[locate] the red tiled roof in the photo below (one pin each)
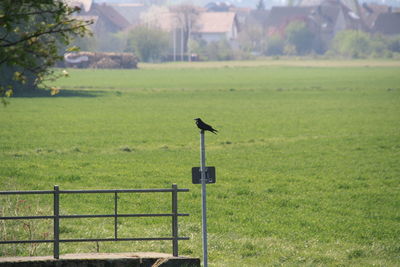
(215, 22)
(281, 15)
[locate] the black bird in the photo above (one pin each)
(204, 126)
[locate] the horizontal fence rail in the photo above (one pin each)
(57, 216)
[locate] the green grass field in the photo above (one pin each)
(307, 159)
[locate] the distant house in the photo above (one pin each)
(280, 16)
(257, 17)
(242, 14)
(216, 26)
(208, 26)
(325, 21)
(349, 13)
(387, 23)
(107, 19)
(325, 18)
(131, 11)
(370, 13)
(329, 14)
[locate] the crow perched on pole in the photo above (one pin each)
(204, 126)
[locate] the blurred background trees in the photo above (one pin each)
(358, 44)
(300, 37)
(148, 43)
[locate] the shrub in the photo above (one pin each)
(220, 50)
(275, 46)
(353, 44)
(299, 36)
(289, 50)
(150, 44)
(252, 38)
(357, 44)
(393, 44)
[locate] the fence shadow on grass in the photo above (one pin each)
(62, 93)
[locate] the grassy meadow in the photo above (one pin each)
(307, 160)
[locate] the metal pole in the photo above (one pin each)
(175, 220)
(174, 42)
(188, 45)
(115, 215)
(203, 197)
(182, 50)
(56, 223)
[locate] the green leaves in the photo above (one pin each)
(73, 49)
(18, 76)
(4, 94)
(32, 33)
(8, 93)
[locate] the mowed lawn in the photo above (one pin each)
(307, 160)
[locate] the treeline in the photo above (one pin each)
(151, 44)
(298, 40)
(357, 44)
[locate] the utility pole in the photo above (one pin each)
(203, 197)
(188, 43)
(182, 50)
(174, 43)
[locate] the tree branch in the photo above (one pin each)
(51, 31)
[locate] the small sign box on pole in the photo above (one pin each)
(210, 175)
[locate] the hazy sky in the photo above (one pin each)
(249, 3)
